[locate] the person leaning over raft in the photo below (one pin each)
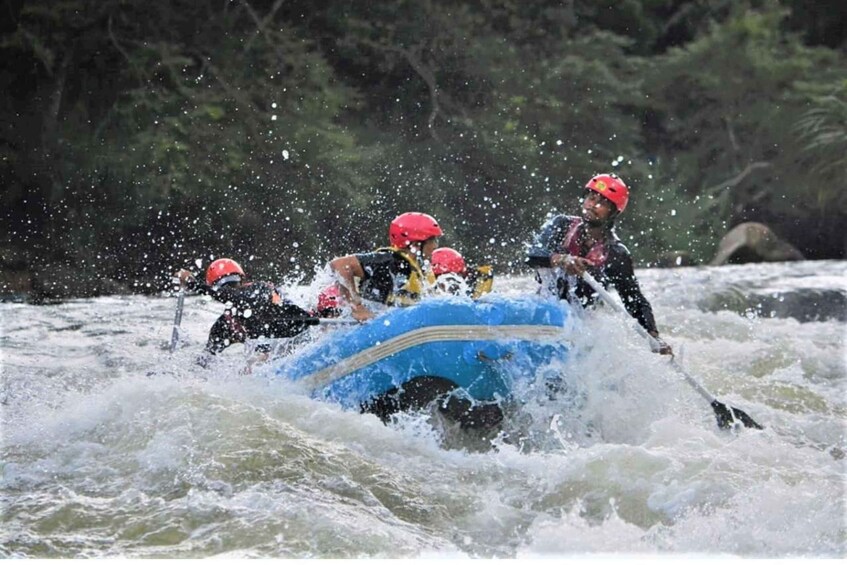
(571, 245)
(253, 309)
(392, 275)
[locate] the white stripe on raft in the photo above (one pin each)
(324, 377)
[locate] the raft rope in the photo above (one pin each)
(536, 333)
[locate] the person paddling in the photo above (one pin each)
(572, 245)
(253, 309)
(393, 275)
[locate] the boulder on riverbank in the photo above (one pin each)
(752, 242)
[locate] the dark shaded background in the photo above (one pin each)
(137, 137)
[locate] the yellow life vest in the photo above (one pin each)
(417, 284)
(481, 280)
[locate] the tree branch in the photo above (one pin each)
(429, 78)
(117, 45)
(54, 103)
(261, 24)
(736, 180)
(424, 72)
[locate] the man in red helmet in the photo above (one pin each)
(253, 309)
(392, 275)
(572, 245)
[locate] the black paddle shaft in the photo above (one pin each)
(292, 321)
(727, 416)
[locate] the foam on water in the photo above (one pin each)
(113, 448)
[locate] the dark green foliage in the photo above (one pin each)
(734, 104)
(138, 137)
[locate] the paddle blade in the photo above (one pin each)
(728, 416)
(180, 303)
(174, 339)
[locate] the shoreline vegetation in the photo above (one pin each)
(138, 138)
(17, 286)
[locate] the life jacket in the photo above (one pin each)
(275, 296)
(597, 255)
(269, 316)
(258, 297)
(415, 286)
(237, 333)
(480, 280)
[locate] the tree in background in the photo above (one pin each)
(167, 128)
(138, 137)
(728, 106)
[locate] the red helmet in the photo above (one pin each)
(221, 268)
(612, 188)
(411, 227)
(447, 260)
(329, 299)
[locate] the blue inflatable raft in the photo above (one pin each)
(472, 351)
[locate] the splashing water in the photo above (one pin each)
(112, 448)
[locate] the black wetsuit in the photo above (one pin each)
(250, 313)
(617, 269)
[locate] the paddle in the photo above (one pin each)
(336, 322)
(727, 416)
(180, 302)
(289, 321)
(294, 320)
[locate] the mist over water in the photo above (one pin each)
(111, 447)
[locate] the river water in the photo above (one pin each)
(111, 447)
